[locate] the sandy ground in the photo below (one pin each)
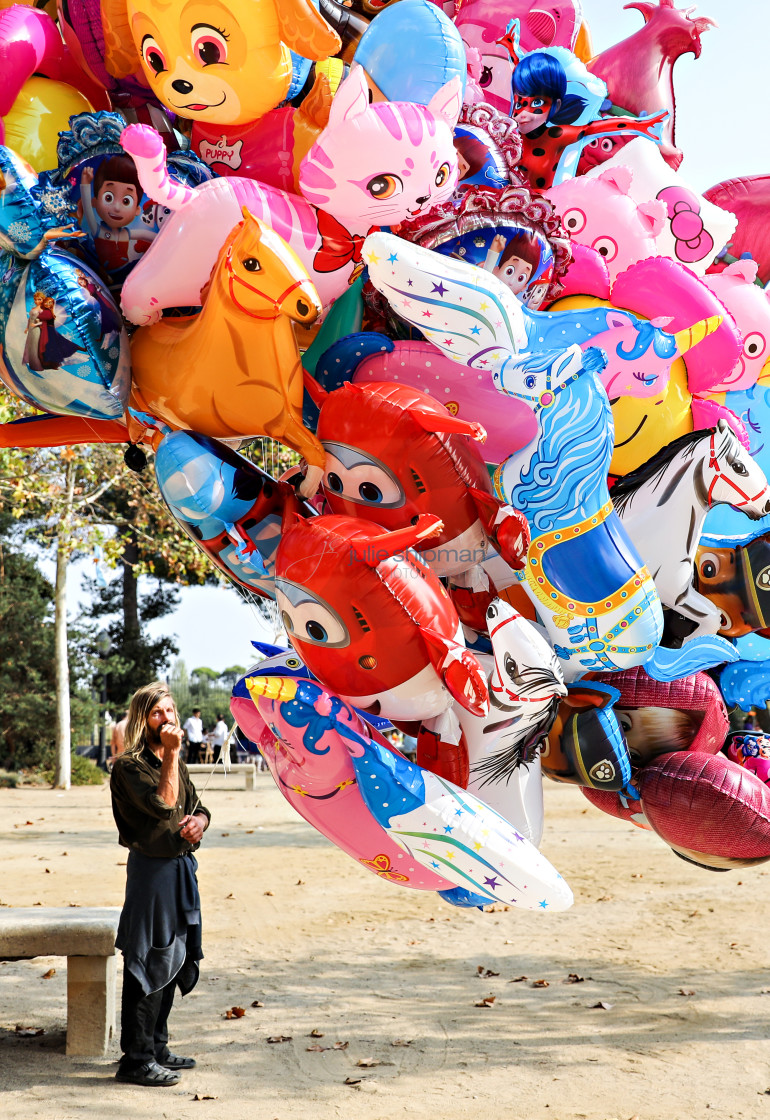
(676, 956)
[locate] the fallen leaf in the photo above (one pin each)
(353, 1080)
(315, 1033)
(300, 883)
(249, 831)
(48, 975)
(402, 1042)
(573, 978)
(48, 870)
(340, 1046)
(602, 1005)
(485, 972)
(367, 1063)
(488, 1001)
(257, 1003)
(686, 992)
(268, 893)
(235, 1013)
(604, 898)
(517, 979)
(224, 834)
(541, 983)
(229, 896)
(734, 944)
(28, 1032)
(280, 1038)
(204, 1097)
(317, 1049)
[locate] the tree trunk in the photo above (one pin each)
(63, 778)
(130, 588)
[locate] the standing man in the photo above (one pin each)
(118, 738)
(218, 736)
(193, 729)
(161, 822)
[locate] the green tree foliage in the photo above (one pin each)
(27, 692)
(134, 658)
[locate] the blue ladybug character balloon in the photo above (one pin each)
(227, 505)
(63, 345)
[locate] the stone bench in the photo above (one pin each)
(247, 768)
(86, 937)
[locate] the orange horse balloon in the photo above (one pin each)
(234, 370)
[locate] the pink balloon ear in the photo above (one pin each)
(662, 321)
(652, 215)
(351, 99)
(619, 177)
(448, 102)
(744, 270)
(617, 319)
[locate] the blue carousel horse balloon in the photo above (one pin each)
(594, 595)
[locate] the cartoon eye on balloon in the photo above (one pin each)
(385, 186)
(308, 618)
(574, 220)
(360, 478)
(442, 174)
(606, 247)
(153, 55)
(754, 345)
(209, 46)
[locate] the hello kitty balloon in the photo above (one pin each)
(373, 165)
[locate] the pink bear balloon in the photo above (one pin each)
(600, 213)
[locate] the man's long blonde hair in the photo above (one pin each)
(142, 703)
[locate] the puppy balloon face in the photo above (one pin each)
(211, 61)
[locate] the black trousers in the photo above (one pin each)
(144, 1022)
(194, 752)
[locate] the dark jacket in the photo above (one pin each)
(146, 824)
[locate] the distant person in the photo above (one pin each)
(193, 730)
(118, 738)
(161, 822)
(218, 736)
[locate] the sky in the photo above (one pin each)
(719, 127)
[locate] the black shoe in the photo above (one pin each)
(150, 1073)
(176, 1061)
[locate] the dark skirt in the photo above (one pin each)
(159, 932)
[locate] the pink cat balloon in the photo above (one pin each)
(750, 306)
(373, 165)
